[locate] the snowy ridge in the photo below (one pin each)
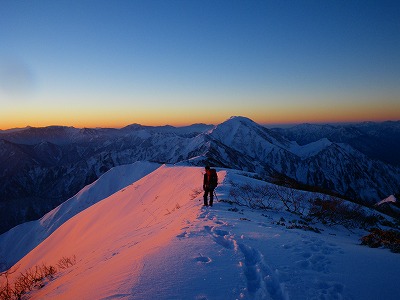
(21, 239)
(118, 232)
(154, 240)
(310, 149)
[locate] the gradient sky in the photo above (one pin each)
(113, 63)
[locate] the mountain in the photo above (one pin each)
(379, 141)
(42, 167)
(153, 240)
(31, 135)
(332, 166)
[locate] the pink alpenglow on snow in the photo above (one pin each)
(17, 242)
(390, 199)
(153, 239)
(112, 238)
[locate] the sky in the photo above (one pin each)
(113, 63)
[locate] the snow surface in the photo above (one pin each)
(390, 199)
(154, 240)
(18, 241)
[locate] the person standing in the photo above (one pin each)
(210, 182)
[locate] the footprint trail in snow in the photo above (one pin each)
(261, 281)
(267, 278)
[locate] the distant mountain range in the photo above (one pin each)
(42, 167)
(380, 141)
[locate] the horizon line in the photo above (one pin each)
(265, 124)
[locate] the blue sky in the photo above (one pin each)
(112, 63)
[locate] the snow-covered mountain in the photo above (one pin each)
(42, 167)
(333, 166)
(152, 239)
(379, 141)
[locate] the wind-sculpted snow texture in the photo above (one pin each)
(154, 240)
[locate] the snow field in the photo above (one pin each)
(153, 239)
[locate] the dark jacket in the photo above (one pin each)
(210, 183)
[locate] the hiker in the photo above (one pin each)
(210, 182)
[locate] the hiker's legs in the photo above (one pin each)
(211, 197)
(205, 197)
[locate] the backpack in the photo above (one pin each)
(213, 178)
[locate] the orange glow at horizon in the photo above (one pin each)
(117, 118)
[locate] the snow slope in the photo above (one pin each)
(18, 241)
(154, 240)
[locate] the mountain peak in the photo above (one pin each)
(240, 119)
(231, 126)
